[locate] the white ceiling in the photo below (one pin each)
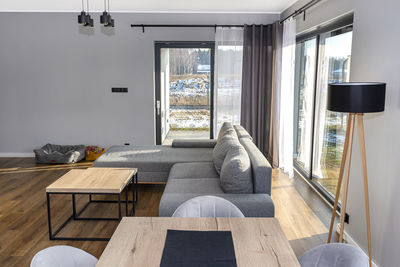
(243, 6)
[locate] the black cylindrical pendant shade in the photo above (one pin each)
(356, 97)
(82, 18)
(105, 18)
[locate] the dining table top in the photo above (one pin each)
(139, 241)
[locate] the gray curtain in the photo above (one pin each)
(257, 83)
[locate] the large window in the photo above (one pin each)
(319, 135)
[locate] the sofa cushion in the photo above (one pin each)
(236, 172)
(193, 170)
(227, 129)
(201, 186)
(251, 205)
(221, 148)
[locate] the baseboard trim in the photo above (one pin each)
(17, 155)
(315, 190)
(349, 240)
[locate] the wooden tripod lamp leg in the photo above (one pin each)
(346, 180)
(364, 167)
(340, 178)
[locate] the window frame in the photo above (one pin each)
(339, 26)
(158, 45)
(295, 163)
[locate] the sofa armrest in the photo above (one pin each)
(194, 143)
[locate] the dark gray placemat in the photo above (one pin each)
(198, 248)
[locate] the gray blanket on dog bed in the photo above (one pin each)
(59, 154)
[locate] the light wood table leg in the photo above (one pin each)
(364, 167)
(340, 178)
(346, 181)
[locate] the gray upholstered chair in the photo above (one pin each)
(207, 206)
(334, 255)
(63, 256)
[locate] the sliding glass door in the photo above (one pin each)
(184, 90)
(330, 127)
(319, 134)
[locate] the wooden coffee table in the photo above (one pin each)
(92, 181)
(139, 241)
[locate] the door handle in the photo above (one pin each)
(158, 107)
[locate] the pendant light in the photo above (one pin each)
(84, 18)
(106, 19)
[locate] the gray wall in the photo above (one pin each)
(56, 76)
(375, 57)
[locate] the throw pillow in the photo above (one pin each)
(236, 176)
(221, 148)
(226, 128)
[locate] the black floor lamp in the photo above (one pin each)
(355, 99)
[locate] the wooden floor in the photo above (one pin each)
(303, 216)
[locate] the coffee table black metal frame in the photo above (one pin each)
(133, 182)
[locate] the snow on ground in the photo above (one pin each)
(189, 118)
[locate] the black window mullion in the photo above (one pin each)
(314, 105)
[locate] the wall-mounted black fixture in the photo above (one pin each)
(106, 17)
(119, 90)
(84, 18)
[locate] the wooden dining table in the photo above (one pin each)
(139, 241)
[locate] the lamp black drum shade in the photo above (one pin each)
(362, 97)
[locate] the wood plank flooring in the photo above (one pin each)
(303, 216)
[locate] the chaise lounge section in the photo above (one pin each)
(153, 162)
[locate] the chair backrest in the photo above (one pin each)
(63, 256)
(207, 206)
(334, 255)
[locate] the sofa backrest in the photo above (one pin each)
(261, 169)
(241, 132)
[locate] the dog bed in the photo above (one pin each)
(51, 153)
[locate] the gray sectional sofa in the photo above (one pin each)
(190, 169)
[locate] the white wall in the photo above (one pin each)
(375, 57)
(56, 76)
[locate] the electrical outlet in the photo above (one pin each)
(119, 90)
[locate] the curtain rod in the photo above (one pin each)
(143, 26)
(301, 10)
